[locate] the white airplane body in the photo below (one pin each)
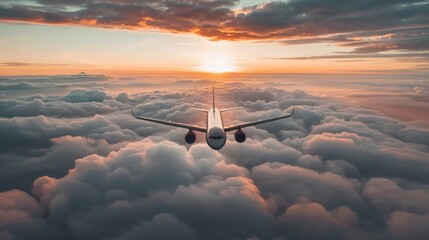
(216, 135)
(215, 130)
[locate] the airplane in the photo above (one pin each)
(215, 130)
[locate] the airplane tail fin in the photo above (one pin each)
(214, 97)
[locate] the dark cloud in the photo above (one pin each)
(24, 64)
(76, 160)
(77, 78)
(396, 44)
(408, 225)
(388, 197)
(402, 39)
(327, 20)
(392, 56)
(324, 225)
(20, 216)
(17, 86)
(154, 229)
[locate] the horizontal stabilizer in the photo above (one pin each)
(230, 109)
(199, 110)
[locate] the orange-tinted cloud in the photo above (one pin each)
(221, 20)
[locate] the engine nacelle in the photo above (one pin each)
(190, 137)
(240, 136)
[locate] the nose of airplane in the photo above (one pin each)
(216, 138)
(216, 146)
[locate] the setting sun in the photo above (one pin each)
(217, 63)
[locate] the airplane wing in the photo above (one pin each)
(175, 124)
(248, 124)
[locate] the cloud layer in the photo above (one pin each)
(369, 26)
(74, 161)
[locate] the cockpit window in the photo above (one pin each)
(216, 137)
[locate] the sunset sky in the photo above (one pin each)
(123, 37)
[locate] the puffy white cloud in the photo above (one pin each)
(388, 197)
(371, 156)
(133, 188)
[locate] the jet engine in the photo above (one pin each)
(240, 136)
(190, 137)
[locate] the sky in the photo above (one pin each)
(351, 163)
(305, 36)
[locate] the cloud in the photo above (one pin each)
(156, 229)
(397, 160)
(289, 183)
(324, 225)
(380, 40)
(405, 56)
(78, 78)
(20, 216)
(166, 184)
(37, 107)
(75, 160)
(223, 20)
(21, 169)
(388, 197)
(408, 225)
(253, 153)
(24, 64)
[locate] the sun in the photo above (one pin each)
(217, 63)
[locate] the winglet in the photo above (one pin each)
(132, 111)
(293, 110)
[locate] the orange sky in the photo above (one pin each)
(222, 36)
(43, 49)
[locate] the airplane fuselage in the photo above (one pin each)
(215, 136)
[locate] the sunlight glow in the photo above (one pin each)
(217, 63)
